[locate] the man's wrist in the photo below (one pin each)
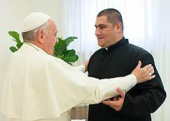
(134, 78)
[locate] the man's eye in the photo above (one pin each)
(102, 27)
(55, 35)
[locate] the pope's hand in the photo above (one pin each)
(143, 73)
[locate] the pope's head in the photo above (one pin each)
(39, 29)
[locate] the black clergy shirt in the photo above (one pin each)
(119, 60)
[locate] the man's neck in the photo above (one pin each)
(36, 44)
(115, 41)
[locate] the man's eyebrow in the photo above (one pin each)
(56, 32)
(101, 25)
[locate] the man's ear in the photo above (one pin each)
(119, 27)
(40, 36)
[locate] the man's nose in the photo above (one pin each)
(97, 32)
(56, 40)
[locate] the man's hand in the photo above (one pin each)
(86, 64)
(143, 74)
(117, 101)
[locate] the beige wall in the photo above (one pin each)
(12, 12)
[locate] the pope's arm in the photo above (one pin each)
(107, 88)
(81, 68)
(69, 87)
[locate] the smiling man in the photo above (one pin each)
(117, 57)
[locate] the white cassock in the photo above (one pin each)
(40, 87)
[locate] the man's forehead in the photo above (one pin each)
(102, 20)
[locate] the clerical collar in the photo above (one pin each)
(106, 48)
(121, 42)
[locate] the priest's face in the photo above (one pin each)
(105, 32)
(50, 37)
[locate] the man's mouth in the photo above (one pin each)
(100, 38)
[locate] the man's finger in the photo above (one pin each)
(139, 64)
(107, 102)
(149, 66)
(151, 71)
(121, 92)
(151, 77)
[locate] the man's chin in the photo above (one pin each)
(99, 44)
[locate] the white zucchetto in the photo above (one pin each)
(34, 20)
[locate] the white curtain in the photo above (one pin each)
(146, 23)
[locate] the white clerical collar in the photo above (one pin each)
(35, 47)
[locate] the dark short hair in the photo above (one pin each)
(113, 16)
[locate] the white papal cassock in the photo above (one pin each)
(40, 87)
